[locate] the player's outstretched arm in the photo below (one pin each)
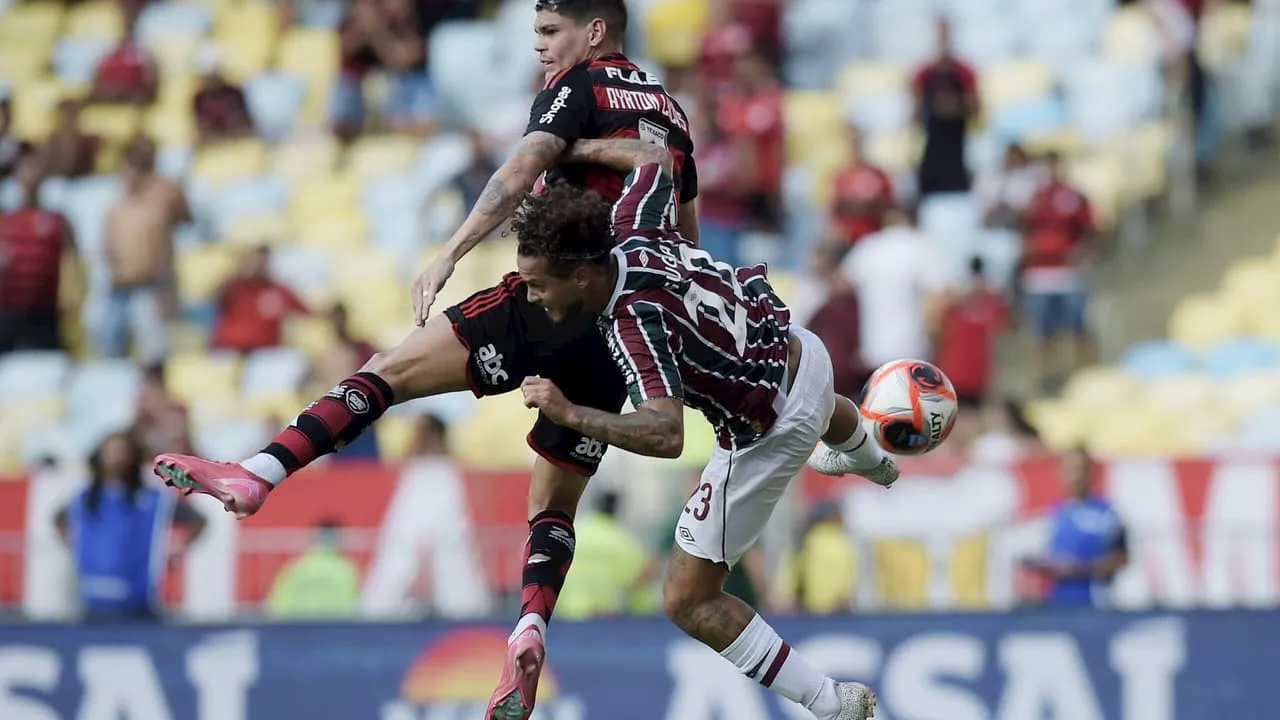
(622, 154)
(656, 428)
(535, 152)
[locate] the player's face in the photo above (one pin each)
(561, 43)
(561, 297)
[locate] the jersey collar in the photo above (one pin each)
(619, 261)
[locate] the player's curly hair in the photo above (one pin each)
(566, 226)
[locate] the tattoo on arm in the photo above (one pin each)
(621, 154)
(536, 152)
(646, 431)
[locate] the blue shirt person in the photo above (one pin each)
(1088, 543)
(118, 532)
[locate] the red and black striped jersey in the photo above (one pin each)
(610, 97)
(682, 325)
(31, 245)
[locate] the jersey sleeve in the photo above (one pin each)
(642, 344)
(646, 201)
(565, 107)
(689, 180)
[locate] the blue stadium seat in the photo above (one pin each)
(165, 19)
(1105, 97)
(275, 100)
(231, 441)
(1158, 358)
(1017, 123)
(952, 221)
(886, 113)
(440, 160)
(904, 31)
(1238, 357)
(262, 194)
(460, 58)
(273, 371)
(75, 59)
(32, 374)
(103, 395)
(983, 40)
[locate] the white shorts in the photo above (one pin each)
(739, 489)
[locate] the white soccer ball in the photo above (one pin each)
(909, 407)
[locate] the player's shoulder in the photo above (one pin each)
(574, 76)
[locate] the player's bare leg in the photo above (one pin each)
(554, 493)
(847, 448)
(694, 599)
(430, 361)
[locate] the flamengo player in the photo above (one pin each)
(492, 341)
(686, 329)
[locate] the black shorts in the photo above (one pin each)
(509, 339)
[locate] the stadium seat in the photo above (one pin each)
(903, 31)
(169, 128)
(1143, 151)
(22, 421)
(35, 105)
(259, 228)
(220, 165)
(1100, 177)
(1203, 320)
(493, 438)
(311, 335)
(231, 441)
(673, 29)
(1242, 357)
(273, 372)
(1015, 82)
(1157, 358)
(250, 196)
(460, 62)
(312, 55)
(815, 131)
(323, 194)
(198, 376)
(1131, 34)
(895, 152)
(75, 59)
(173, 19)
(35, 20)
(98, 20)
(104, 394)
(1175, 393)
(23, 60)
(374, 157)
(32, 375)
(338, 229)
(441, 159)
(952, 221)
(1105, 96)
(884, 114)
(203, 269)
(1100, 387)
(1024, 121)
(1245, 394)
(294, 160)
(1224, 34)
(307, 270)
(868, 79)
(1252, 280)
(1134, 429)
(275, 101)
(244, 55)
(395, 437)
(114, 123)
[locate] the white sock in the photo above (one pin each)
(266, 467)
(766, 658)
(860, 446)
(530, 620)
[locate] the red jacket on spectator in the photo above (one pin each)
(1057, 222)
(32, 242)
(863, 192)
(252, 312)
(966, 350)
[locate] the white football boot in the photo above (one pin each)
(833, 462)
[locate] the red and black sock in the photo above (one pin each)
(548, 553)
(328, 424)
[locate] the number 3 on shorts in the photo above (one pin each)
(700, 503)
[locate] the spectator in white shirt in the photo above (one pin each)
(1003, 193)
(898, 275)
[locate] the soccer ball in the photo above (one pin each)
(909, 406)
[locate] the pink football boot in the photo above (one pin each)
(518, 688)
(239, 490)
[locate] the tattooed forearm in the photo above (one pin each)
(536, 152)
(646, 431)
(620, 154)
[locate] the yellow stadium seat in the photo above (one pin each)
(260, 229)
(1142, 152)
(674, 31)
(313, 54)
(1203, 320)
(23, 60)
(312, 335)
(355, 271)
(31, 21)
(1068, 142)
(894, 152)
(1131, 34)
(1100, 177)
(309, 157)
(200, 376)
(202, 270)
(1246, 394)
(227, 162)
(114, 123)
(1131, 429)
(816, 134)
(1253, 280)
(243, 55)
(395, 437)
(171, 129)
(902, 572)
(35, 108)
(247, 17)
(338, 230)
(1100, 387)
(863, 80)
(100, 19)
(176, 91)
(1014, 81)
(1178, 392)
(1060, 425)
(375, 157)
(174, 54)
(1224, 34)
(275, 406)
(19, 419)
(493, 437)
(187, 337)
(320, 194)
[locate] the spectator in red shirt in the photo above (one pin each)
(946, 92)
(252, 307)
(863, 194)
(726, 168)
(1058, 228)
(34, 244)
(966, 335)
(127, 74)
(722, 44)
(69, 151)
(836, 324)
(221, 110)
(752, 108)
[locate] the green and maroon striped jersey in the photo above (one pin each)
(682, 325)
